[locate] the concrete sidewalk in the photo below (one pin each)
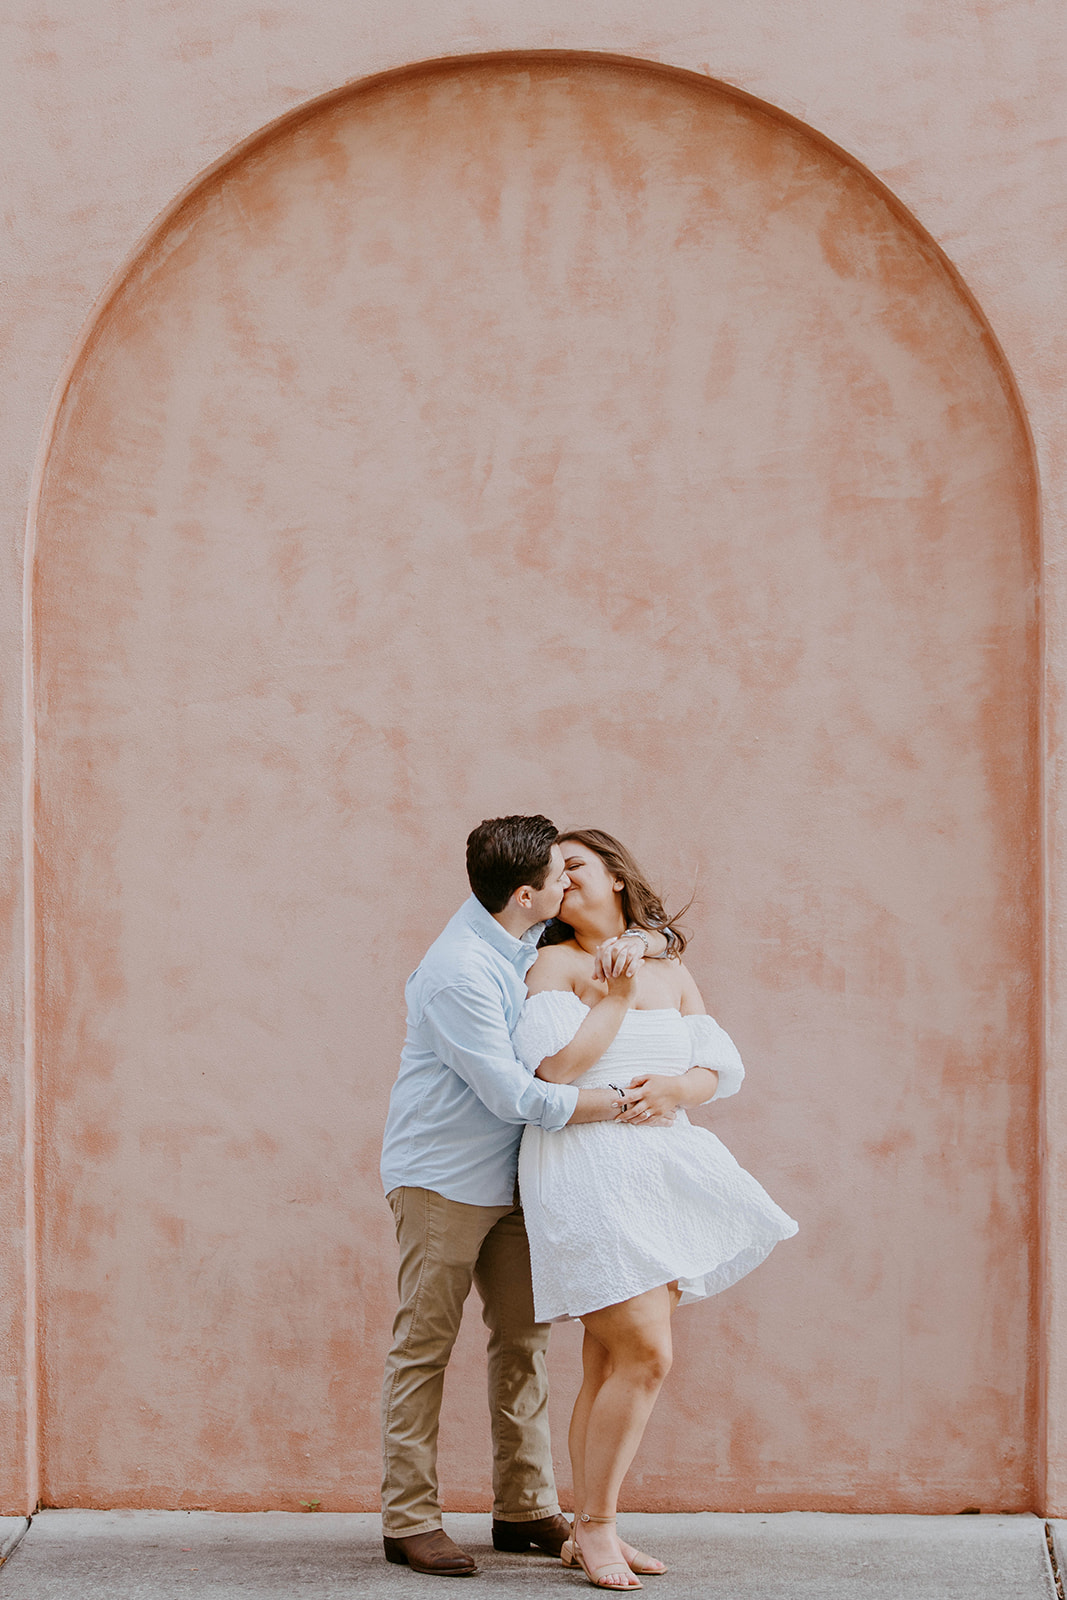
(275, 1555)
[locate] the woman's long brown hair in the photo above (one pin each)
(641, 905)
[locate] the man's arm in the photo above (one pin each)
(469, 1034)
(595, 1105)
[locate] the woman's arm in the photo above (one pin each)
(626, 949)
(564, 967)
(658, 1096)
(598, 1029)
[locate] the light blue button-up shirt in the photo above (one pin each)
(462, 1098)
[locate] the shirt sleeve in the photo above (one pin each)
(712, 1047)
(468, 1030)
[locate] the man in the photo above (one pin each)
(449, 1164)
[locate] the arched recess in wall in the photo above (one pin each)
(516, 433)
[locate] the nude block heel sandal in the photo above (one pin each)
(645, 1566)
(571, 1556)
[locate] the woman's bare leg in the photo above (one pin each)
(595, 1368)
(635, 1337)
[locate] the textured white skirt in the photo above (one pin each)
(613, 1209)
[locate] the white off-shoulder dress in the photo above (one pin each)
(612, 1208)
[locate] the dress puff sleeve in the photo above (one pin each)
(548, 1021)
(711, 1046)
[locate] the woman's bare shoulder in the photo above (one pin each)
(692, 1000)
(558, 966)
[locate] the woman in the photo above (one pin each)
(627, 1219)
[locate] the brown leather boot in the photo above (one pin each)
(547, 1533)
(431, 1552)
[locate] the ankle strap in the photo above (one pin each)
(584, 1516)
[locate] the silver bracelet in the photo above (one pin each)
(669, 935)
(667, 953)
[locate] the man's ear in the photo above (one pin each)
(523, 897)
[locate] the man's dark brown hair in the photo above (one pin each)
(504, 853)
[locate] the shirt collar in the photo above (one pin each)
(488, 928)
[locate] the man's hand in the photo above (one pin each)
(618, 956)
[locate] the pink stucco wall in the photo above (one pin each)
(251, 743)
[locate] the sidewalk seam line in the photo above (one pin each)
(16, 1540)
(1057, 1580)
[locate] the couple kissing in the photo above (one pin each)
(537, 1146)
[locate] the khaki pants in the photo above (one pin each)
(444, 1247)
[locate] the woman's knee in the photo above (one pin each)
(658, 1360)
(636, 1335)
(647, 1359)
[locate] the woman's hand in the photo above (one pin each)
(622, 985)
(651, 1098)
(614, 955)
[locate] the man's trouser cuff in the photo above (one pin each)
(409, 1533)
(527, 1516)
